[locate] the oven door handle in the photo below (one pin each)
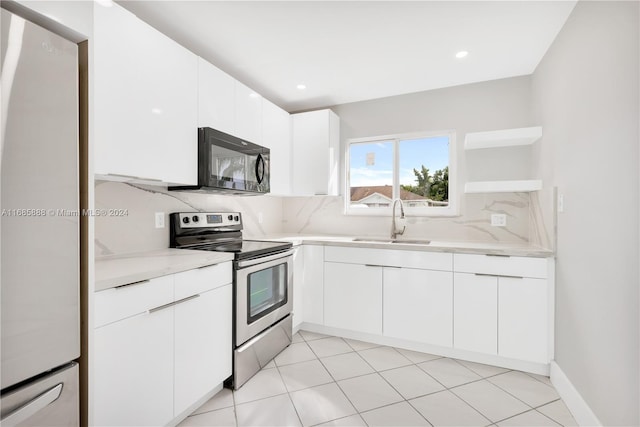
(261, 260)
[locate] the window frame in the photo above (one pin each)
(449, 211)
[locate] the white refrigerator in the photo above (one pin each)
(39, 287)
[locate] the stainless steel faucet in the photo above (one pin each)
(394, 227)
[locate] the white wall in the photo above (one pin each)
(586, 98)
(498, 104)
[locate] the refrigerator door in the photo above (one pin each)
(48, 401)
(39, 192)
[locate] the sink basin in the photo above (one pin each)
(380, 240)
(412, 242)
(373, 240)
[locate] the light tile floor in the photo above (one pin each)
(330, 381)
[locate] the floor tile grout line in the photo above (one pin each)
(521, 413)
(528, 404)
(551, 418)
(460, 397)
(289, 394)
(418, 411)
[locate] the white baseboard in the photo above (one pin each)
(574, 401)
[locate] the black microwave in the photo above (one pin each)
(229, 164)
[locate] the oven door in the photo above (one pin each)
(263, 293)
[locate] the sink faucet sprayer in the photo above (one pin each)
(401, 221)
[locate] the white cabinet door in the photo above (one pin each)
(313, 293)
(418, 305)
(248, 106)
(475, 316)
(202, 345)
(353, 297)
(133, 371)
(316, 142)
(298, 286)
(216, 96)
(145, 101)
(276, 135)
(523, 317)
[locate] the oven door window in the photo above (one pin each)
(267, 290)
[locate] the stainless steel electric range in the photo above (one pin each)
(262, 285)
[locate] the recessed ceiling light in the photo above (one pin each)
(301, 86)
(254, 95)
(462, 54)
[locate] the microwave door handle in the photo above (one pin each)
(260, 176)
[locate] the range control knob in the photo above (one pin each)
(230, 217)
(195, 218)
(237, 218)
(185, 220)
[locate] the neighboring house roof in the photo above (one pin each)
(359, 193)
(374, 198)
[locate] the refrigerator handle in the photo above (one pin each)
(33, 407)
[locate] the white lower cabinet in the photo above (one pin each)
(313, 284)
(475, 320)
(523, 319)
(202, 361)
(298, 286)
(498, 310)
(418, 305)
(133, 375)
(156, 359)
(353, 297)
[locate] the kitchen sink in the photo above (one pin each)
(412, 242)
(381, 240)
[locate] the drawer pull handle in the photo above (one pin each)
(499, 275)
(132, 284)
(499, 255)
(373, 265)
(171, 304)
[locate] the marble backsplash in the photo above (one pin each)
(267, 215)
(324, 215)
(135, 231)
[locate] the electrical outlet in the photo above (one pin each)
(159, 219)
(498, 220)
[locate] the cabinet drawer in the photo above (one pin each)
(390, 258)
(202, 279)
(124, 301)
(501, 266)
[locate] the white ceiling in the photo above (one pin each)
(347, 51)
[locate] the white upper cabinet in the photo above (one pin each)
(144, 101)
(316, 142)
(276, 135)
(248, 106)
(216, 96)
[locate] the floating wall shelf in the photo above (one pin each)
(502, 138)
(503, 186)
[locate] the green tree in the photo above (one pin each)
(434, 187)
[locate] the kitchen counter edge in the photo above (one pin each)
(117, 270)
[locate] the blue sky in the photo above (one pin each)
(432, 152)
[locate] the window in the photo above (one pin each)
(416, 168)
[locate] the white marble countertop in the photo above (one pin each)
(117, 270)
(511, 249)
